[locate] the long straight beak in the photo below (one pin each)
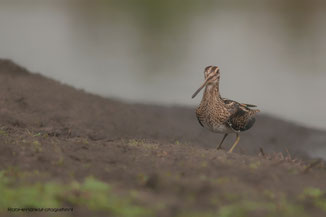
(202, 86)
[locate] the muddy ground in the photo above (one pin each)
(157, 158)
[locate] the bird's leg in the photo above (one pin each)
(220, 145)
(235, 143)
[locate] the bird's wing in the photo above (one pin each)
(199, 117)
(242, 119)
(199, 121)
(229, 101)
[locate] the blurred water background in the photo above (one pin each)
(271, 52)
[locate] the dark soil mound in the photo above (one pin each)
(162, 152)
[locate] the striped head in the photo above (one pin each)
(212, 71)
(212, 77)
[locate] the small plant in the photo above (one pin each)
(3, 133)
(254, 165)
(37, 146)
(92, 194)
(315, 195)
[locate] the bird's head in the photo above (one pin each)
(212, 77)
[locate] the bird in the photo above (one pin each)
(222, 115)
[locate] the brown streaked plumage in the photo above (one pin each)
(221, 115)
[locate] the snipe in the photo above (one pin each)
(221, 115)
